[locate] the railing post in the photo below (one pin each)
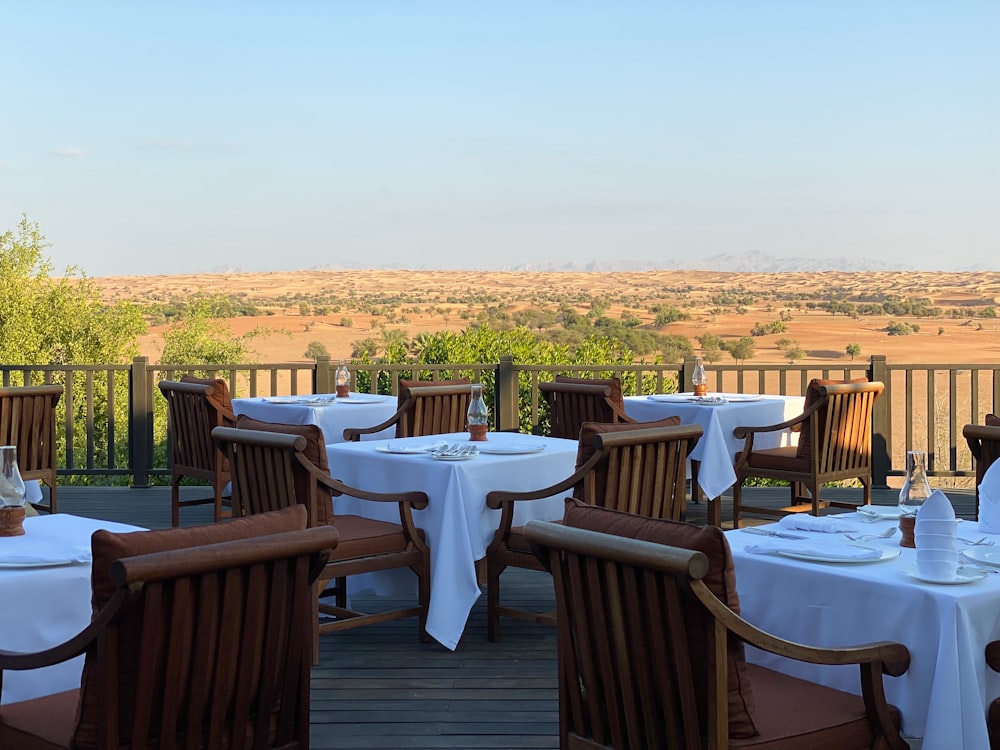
(141, 421)
(881, 419)
(322, 378)
(505, 395)
(687, 370)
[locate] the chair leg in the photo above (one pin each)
(317, 590)
(737, 502)
(423, 572)
(814, 490)
(493, 571)
(175, 500)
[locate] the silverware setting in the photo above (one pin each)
(885, 534)
(770, 532)
(455, 451)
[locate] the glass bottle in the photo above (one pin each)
(478, 415)
(343, 380)
(11, 484)
(915, 487)
(699, 379)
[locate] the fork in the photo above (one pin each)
(982, 542)
(869, 537)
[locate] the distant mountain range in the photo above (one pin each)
(751, 262)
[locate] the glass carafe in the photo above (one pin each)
(915, 487)
(342, 379)
(699, 378)
(478, 415)
(11, 484)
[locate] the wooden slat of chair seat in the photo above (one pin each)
(840, 426)
(424, 410)
(626, 672)
(270, 471)
(195, 646)
(639, 469)
(28, 421)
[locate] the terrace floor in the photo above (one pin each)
(380, 687)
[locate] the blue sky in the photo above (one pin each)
(174, 137)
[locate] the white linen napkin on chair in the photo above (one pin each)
(989, 500)
(828, 524)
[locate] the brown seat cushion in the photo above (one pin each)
(315, 452)
(813, 394)
(589, 430)
(793, 714)
(219, 397)
(786, 458)
(366, 536)
(44, 723)
(720, 580)
(107, 546)
(615, 384)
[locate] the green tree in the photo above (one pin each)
(794, 353)
(201, 338)
(742, 349)
(315, 350)
(853, 350)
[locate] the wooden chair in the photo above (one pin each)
(573, 401)
(190, 646)
(193, 409)
(984, 444)
(275, 466)
(424, 409)
(651, 657)
(835, 444)
(28, 421)
(638, 468)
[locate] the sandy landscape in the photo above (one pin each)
(727, 305)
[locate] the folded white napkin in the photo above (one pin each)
(828, 553)
(829, 524)
(24, 550)
(989, 500)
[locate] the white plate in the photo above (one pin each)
(887, 553)
(511, 450)
(362, 398)
(983, 556)
(35, 563)
(463, 457)
(744, 398)
(672, 398)
(963, 575)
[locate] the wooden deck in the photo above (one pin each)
(380, 687)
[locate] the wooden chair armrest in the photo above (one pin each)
(417, 499)
(353, 434)
(893, 658)
(67, 649)
(977, 434)
(649, 434)
(497, 499)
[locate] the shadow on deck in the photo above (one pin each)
(379, 687)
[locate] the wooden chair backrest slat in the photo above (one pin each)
(845, 444)
(434, 410)
(28, 422)
(572, 404)
(191, 418)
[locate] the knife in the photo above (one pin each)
(769, 532)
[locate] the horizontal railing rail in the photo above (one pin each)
(112, 418)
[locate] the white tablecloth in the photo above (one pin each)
(717, 448)
(44, 606)
(332, 416)
(944, 693)
(457, 523)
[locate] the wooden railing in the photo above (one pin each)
(118, 419)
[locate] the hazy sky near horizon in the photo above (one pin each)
(174, 137)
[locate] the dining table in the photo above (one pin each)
(719, 414)
(45, 588)
(808, 590)
(457, 524)
(325, 410)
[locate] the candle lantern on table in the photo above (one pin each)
(478, 415)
